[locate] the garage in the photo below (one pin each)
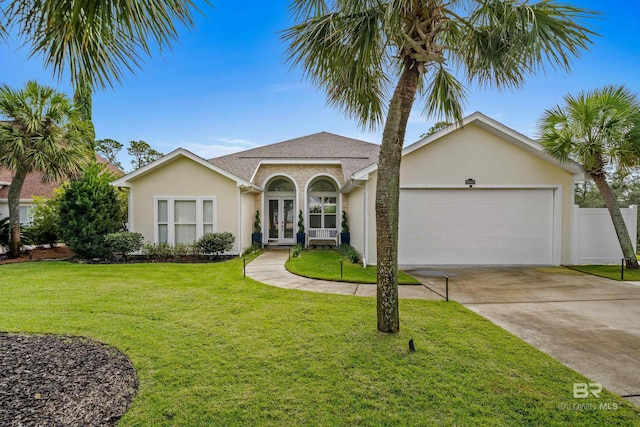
(476, 226)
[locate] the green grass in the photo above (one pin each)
(608, 271)
(214, 348)
(325, 265)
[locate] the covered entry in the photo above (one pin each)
(280, 207)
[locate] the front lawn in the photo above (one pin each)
(214, 348)
(325, 265)
(609, 271)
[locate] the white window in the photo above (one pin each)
(26, 216)
(184, 220)
(323, 204)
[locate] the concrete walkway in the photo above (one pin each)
(269, 268)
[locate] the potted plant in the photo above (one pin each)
(345, 236)
(256, 236)
(300, 237)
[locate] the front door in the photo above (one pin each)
(281, 220)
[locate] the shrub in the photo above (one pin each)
(345, 223)
(157, 250)
(256, 224)
(300, 222)
(44, 229)
(89, 210)
(296, 250)
(255, 247)
(184, 249)
(4, 232)
(124, 242)
(349, 252)
(215, 243)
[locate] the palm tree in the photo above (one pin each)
(45, 133)
(372, 57)
(600, 130)
(95, 41)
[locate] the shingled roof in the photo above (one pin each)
(353, 154)
(34, 186)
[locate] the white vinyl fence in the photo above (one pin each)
(594, 238)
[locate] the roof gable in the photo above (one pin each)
(126, 180)
(318, 148)
(492, 126)
(501, 131)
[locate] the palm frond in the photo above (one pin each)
(98, 41)
(505, 41)
(444, 96)
(343, 53)
(44, 132)
(598, 128)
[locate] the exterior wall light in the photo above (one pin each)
(470, 182)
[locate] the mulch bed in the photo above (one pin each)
(50, 380)
(62, 252)
(39, 254)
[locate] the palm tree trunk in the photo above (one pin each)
(83, 102)
(14, 213)
(618, 222)
(387, 198)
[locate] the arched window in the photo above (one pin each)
(322, 185)
(281, 185)
(323, 204)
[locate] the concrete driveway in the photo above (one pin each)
(588, 323)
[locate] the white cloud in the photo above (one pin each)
(223, 147)
(235, 141)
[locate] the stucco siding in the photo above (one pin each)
(472, 152)
(183, 177)
(248, 213)
(356, 219)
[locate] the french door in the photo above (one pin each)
(281, 220)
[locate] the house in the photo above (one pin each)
(34, 186)
(479, 193)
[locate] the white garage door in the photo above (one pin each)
(476, 226)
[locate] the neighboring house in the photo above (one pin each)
(34, 186)
(480, 193)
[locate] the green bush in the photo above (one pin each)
(216, 243)
(157, 250)
(5, 232)
(255, 247)
(45, 212)
(184, 249)
(296, 250)
(349, 252)
(89, 210)
(124, 242)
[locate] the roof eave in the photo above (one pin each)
(126, 180)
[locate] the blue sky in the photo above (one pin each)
(225, 87)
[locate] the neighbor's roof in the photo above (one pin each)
(352, 154)
(34, 186)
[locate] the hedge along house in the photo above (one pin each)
(479, 193)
